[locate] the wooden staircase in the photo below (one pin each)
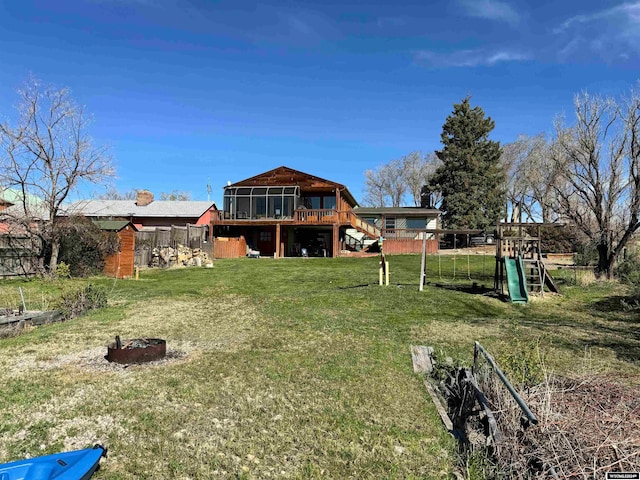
(363, 226)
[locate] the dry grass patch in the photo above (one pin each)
(244, 396)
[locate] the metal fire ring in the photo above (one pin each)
(138, 350)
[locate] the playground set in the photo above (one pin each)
(518, 260)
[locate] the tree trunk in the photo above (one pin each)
(55, 250)
(605, 261)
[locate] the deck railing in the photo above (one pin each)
(328, 216)
(362, 225)
(310, 216)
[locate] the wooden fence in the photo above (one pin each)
(192, 236)
(18, 256)
(229, 247)
(400, 241)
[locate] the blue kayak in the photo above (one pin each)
(75, 465)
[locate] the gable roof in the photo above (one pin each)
(284, 176)
(33, 207)
(129, 208)
(114, 225)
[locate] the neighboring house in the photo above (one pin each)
(145, 213)
(403, 227)
(16, 214)
(399, 219)
(121, 263)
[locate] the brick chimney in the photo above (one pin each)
(145, 197)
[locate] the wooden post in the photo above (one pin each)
(386, 273)
(422, 263)
(137, 273)
(336, 239)
(276, 252)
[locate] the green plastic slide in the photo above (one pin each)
(516, 280)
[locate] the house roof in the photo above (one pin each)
(398, 211)
(128, 208)
(283, 176)
(12, 198)
(114, 225)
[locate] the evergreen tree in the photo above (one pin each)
(471, 177)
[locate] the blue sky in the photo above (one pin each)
(187, 92)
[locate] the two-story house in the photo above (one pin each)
(285, 212)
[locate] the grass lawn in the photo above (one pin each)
(291, 368)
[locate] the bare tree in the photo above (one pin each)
(597, 167)
(375, 189)
(113, 194)
(46, 155)
(417, 171)
(396, 185)
(176, 196)
(530, 176)
(389, 183)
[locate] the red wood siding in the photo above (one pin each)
(120, 265)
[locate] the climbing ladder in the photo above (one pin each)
(534, 271)
(512, 241)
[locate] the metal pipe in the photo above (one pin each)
(24, 306)
(521, 403)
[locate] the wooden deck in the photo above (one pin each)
(310, 217)
(300, 217)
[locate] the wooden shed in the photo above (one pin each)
(120, 265)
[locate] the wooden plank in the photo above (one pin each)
(448, 424)
(496, 436)
(421, 358)
(548, 281)
(33, 318)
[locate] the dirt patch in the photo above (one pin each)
(190, 327)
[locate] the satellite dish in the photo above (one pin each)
(228, 183)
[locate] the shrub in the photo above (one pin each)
(75, 302)
(83, 246)
(522, 361)
(63, 270)
(629, 272)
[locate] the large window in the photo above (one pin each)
(316, 202)
(312, 202)
(329, 202)
(416, 223)
(256, 203)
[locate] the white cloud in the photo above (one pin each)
(491, 10)
(467, 58)
(625, 14)
(292, 27)
(612, 33)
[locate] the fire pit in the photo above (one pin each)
(137, 350)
